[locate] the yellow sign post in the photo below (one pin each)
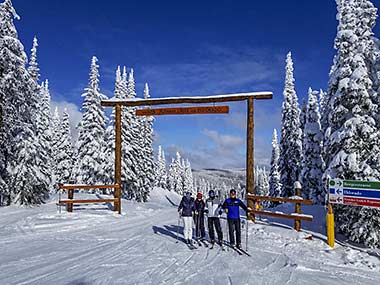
(330, 226)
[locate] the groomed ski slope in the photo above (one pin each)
(93, 245)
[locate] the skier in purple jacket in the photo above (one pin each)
(185, 210)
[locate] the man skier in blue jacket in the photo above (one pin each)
(232, 205)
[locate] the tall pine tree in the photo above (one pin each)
(312, 163)
(291, 134)
(351, 138)
(88, 168)
(64, 157)
(147, 160)
(274, 175)
(19, 146)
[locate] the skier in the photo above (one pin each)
(185, 210)
(199, 207)
(232, 205)
(213, 206)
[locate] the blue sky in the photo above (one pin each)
(186, 48)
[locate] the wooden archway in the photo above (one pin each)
(135, 102)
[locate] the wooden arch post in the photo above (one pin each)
(250, 164)
(117, 191)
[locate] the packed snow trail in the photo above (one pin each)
(93, 245)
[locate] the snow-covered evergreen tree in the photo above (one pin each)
(147, 160)
(291, 134)
(312, 163)
(262, 184)
(274, 175)
(127, 174)
(351, 138)
(172, 176)
(55, 137)
(40, 101)
(33, 64)
(188, 178)
(303, 114)
(133, 145)
(164, 179)
(88, 167)
(161, 176)
(178, 172)
(19, 145)
(64, 157)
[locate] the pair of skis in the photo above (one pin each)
(221, 247)
(240, 251)
(200, 243)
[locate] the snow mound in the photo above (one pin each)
(164, 197)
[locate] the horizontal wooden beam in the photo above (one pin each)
(282, 215)
(187, 100)
(72, 201)
(79, 186)
(279, 199)
(183, 111)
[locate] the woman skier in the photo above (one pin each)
(185, 210)
(199, 207)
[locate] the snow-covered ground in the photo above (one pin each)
(94, 245)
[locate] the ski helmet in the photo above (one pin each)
(199, 195)
(211, 194)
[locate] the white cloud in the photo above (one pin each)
(217, 69)
(72, 110)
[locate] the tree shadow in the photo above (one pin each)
(108, 204)
(172, 231)
(171, 202)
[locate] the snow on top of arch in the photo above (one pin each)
(248, 94)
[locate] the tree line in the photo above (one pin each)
(336, 134)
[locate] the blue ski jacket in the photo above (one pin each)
(187, 206)
(232, 205)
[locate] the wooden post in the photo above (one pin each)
(297, 223)
(250, 183)
(117, 191)
(70, 195)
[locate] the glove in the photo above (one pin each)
(205, 211)
(196, 212)
(220, 212)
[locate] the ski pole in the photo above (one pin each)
(179, 220)
(227, 234)
(246, 233)
(199, 225)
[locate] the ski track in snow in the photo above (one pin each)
(92, 246)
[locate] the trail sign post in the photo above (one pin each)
(356, 193)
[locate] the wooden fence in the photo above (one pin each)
(297, 216)
(70, 201)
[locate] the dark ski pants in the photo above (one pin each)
(214, 222)
(234, 226)
(199, 226)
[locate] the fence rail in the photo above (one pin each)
(70, 195)
(297, 216)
